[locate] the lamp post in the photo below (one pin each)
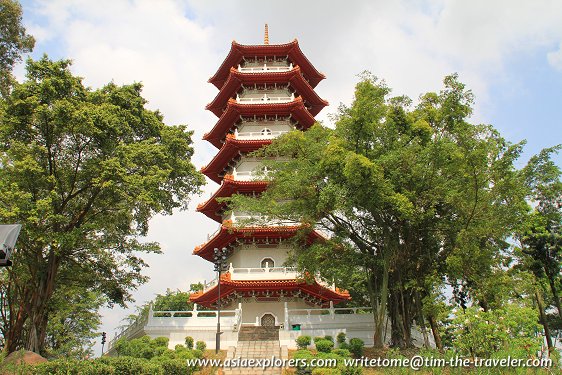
(219, 259)
(8, 237)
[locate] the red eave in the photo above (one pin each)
(234, 110)
(292, 49)
(294, 77)
(228, 234)
(271, 287)
(229, 186)
(231, 148)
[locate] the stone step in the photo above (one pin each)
(258, 334)
(256, 350)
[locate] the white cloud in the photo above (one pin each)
(555, 58)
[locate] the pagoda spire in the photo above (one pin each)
(266, 35)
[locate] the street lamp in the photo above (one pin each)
(8, 237)
(219, 259)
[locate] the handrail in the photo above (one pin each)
(271, 134)
(265, 270)
(128, 331)
(264, 68)
(332, 310)
(267, 99)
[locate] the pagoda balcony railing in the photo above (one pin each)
(260, 134)
(190, 319)
(246, 175)
(265, 99)
(264, 69)
(266, 273)
(257, 220)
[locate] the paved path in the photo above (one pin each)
(255, 350)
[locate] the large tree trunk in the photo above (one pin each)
(435, 332)
(544, 322)
(421, 321)
(379, 297)
(38, 305)
(554, 291)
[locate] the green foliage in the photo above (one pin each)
(200, 345)
(13, 42)
(189, 342)
(84, 171)
(318, 338)
(303, 341)
(356, 347)
(342, 352)
(482, 333)
(324, 346)
(73, 322)
(330, 338)
(337, 354)
(412, 196)
(341, 338)
(143, 347)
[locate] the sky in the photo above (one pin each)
(509, 53)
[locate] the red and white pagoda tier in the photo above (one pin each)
(264, 91)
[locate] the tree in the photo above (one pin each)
(13, 41)
(73, 322)
(541, 235)
(410, 196)
(83, 170)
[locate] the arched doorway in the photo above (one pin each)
(267, 320)
(267, 263)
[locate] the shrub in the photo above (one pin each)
(324, 346)
(342, 352)
(326, 371)
(303, 342)
(356, 347)
(200, 345)
(318, 338)
(329, 338)
(483, 333)
(176, 367)
(189, 342)
(127, 365)
(341, 338)
(161, 341)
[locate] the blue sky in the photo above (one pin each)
(509, 53)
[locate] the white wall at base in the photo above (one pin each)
(353, 325)
(255, 309)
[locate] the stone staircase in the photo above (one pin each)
(256, 343)
(258, 334)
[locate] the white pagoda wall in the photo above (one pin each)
(253, 311)
(250, 256)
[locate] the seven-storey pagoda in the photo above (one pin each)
(264, 91)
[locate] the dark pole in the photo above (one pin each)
(220, 262)
(218, 338)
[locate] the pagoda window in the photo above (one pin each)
(267, 263)
(266, 131)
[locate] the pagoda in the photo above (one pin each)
(264, 91)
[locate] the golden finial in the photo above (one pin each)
(266, 36)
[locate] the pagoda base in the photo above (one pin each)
(293, 318)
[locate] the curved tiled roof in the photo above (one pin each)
(230, 149)
(234, 110)
(227, 235)
(291, 49)
(228, 187)
(293, 77)
(273, 288)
